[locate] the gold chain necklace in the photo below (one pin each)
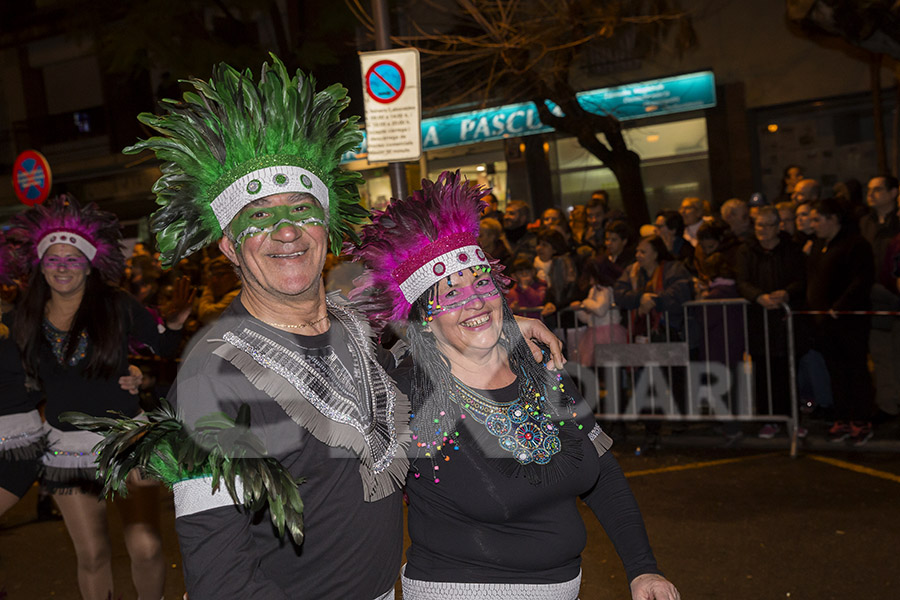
(299, 326)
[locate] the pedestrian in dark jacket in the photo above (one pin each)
(771, 272)
(841, 271)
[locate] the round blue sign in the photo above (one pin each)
(385, 81)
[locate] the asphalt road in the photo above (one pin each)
(741, 524)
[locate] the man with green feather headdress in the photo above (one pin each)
(286, 373)
(282, 397)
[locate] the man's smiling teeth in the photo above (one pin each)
(476, 321)
(291, 255)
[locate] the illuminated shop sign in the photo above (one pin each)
(665, 96)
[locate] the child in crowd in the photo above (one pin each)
(527, 296)
(598, 311)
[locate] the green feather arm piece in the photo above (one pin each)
(162, 448)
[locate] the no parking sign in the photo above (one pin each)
(31, 177)
(392, 101)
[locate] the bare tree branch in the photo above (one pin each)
(500, 51)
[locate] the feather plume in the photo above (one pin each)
(64, 213)
(225, 449)
(224, 126)
(450, 205)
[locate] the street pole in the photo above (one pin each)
(397, 170)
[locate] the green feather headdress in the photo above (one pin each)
(234, 141)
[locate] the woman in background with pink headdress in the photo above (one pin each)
(72, 327)
(504, 447)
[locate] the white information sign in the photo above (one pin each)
(393, 104)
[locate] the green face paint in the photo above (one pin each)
(266, 219)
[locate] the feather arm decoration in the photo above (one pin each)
(161, 448)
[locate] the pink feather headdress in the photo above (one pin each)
(61, 220)
(416, 242)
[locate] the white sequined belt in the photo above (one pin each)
(19, 430)
(414, 589)
(71, 449)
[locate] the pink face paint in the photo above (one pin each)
(457, 298)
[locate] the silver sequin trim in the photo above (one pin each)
(414, 589)
(328, 385)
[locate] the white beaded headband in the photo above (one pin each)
(66, 237)
(436, 261)
(265, 182)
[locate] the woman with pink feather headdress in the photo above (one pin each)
(72, 327)
(503, 447)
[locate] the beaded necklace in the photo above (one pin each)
(525, 427)
(58, 341)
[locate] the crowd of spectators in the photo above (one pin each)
(831, 258)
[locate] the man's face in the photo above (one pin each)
(766, 229)
(515, 216)
(614, 243)
(739, 219)
(803, 191)
(491, 202)
(826, 227)
(578, 215)
(280, 246)
(690, 212)
(595, 216)
(787, 220)
(802, 219)
(879, 196)
(667, 235)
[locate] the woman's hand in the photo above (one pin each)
(533, 329)
(176, 311)
(131, 383)
(651, 586)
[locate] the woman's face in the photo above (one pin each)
(551, 217)
(65, 268)
(802, 219)
(470, 318)
(646, 256)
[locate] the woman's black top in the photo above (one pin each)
(68, 388)
(482, 525)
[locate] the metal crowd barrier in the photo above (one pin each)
(683, 374)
